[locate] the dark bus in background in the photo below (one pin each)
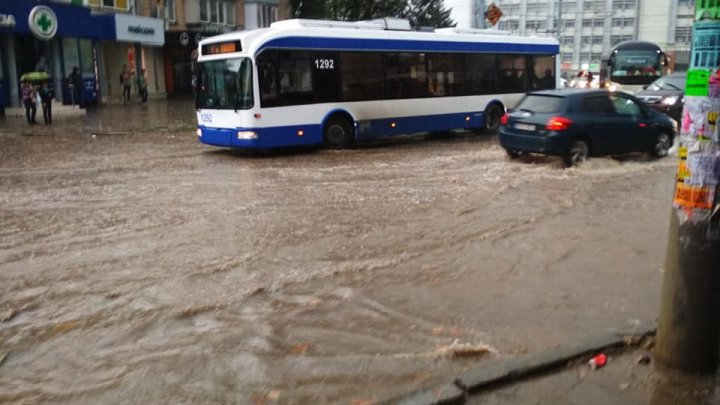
(632, 65)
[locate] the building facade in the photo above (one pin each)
(93, 38)
(588, 28)
(99, 37)
(189, 21)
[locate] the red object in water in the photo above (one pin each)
(598, 361)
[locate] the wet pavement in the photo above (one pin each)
(626, 379)
(137, 265)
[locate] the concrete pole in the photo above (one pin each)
(687, 336)
(12, 73)
(689, 328)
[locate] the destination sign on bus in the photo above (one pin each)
(221, 47)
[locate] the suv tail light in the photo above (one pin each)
(504, 119)
(558, 124)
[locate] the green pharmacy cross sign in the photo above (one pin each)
(43, 22)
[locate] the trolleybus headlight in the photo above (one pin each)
(199, 132)
(670, 100)
(247, 135)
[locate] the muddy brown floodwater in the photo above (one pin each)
(139, 266)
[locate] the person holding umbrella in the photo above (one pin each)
(28, 97)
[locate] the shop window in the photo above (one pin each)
(71, 54)
(119, 4)
(87, 57)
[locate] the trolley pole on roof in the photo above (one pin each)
(688, 332)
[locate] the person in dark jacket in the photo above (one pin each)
(46, 96)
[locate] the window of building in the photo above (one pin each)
(624, 4)
(513, 25)
(597, 40)
(170, 10)
(266, 15)
(217, 11)
(567, 58)
(536, 24)
(683, 35)
(568, 23)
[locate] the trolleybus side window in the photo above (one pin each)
(406, 75)
(362, 75)
(513, 78)
(543, 72)
(326, 76)
(445, 74)
(481, 75)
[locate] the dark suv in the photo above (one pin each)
(575, 123)
(665, 95)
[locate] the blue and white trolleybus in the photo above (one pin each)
(309, 82)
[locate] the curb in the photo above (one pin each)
(507, 371)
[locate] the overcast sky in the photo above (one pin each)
(460, 12)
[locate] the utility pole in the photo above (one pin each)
(688, 332)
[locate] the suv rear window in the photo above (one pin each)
(541, 104)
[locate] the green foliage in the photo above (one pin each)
(421, 13)
(310, 9)
(429, 13)
(355, 10)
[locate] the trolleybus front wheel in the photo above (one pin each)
(338, 133)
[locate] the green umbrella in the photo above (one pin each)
(35, 77)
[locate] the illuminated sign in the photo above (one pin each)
(221, 47)
(7, 20)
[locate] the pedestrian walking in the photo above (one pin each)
(28, 97)
(46, 96)
(142, 85)
(126, 81)
(74, 84)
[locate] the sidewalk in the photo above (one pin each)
(171, 115)
(630, 376)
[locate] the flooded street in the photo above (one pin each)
(138, 265)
